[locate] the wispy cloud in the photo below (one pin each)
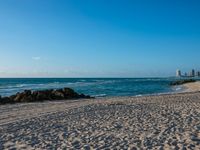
(36, 58)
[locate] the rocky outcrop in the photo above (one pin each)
(35, 96)
(180, 82)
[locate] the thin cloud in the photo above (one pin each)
(36, 58)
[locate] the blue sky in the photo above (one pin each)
(98, 38)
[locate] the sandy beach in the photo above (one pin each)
(192, 87)
(99, 75)
(151, 122)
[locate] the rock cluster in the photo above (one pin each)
(33, 96)
(180, 82)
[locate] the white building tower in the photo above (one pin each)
(178, 73)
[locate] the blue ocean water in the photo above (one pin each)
(91, 86)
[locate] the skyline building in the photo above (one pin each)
(192, 73)
(198, 73)
(178, 73)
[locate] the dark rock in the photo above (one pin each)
(22, 97)
(84, 96)
(69, 93)
(180, 82)
(5, 100)
(42, 95)
(29, 96)
(58, 94)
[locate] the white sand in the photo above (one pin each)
(192, 87)
(151, 122)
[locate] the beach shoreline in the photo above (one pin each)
(158, 121)
(192, 87)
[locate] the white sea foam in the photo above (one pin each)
(100, 95)
(139, 95)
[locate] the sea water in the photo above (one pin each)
(91, 86)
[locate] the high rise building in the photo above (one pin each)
(178, 73)
(198, 73)
(186, 74)
(192, 73)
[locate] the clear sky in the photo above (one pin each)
(98, 38)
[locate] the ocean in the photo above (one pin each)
(98, 87)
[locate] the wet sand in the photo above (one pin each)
(150, 122)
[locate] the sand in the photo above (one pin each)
(192, 87)
(150, 122)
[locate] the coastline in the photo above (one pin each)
(192, 87)
(167, 121)
(91, 86)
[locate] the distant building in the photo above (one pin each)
(178, 73)
(186, 74)
(192, 73)
(198, 73)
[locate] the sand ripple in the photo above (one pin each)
(153, 122)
